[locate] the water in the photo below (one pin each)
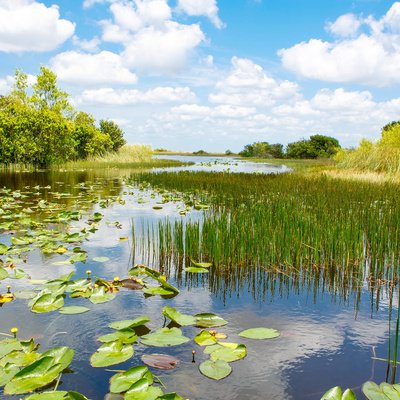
(326, 340)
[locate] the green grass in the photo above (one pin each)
(300, 226)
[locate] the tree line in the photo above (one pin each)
(318, 146)
(40, 127)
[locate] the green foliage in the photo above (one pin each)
(382, 156)
(42, 128)
(316, 147)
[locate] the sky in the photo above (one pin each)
(215, 74)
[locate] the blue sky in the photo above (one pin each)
(215, 74)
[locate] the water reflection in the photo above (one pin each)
(323, 336)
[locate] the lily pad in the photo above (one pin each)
(158, 290)
(165, 337)
(73, 310)
(130, 323)
(177, 317)
(201, 265)
(111, 353)
(208, 320)
(160, 361)
(215, 369)
(100, 295)
(170, 396)
(196, 270)
(3, 273)
(259, 333)
(47, 302)
(372, 391)
(205, 338)
(58, 395)
(151, 393)
(126, 336)
(229, 355)
(123, 381)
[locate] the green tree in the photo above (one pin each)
(114, 132)
(325, 146)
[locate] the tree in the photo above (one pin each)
(325, 146)
(115, 133)
(301, 149)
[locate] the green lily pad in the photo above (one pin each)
(177, 317)
(122, 381)
(215, 369)
(130, 323)
(196, 270)
(165, 337)
(126, 336)
(201, 265)
(73, 310)
(100, 295)
(9, 345)
(24, 294)
(58, 395)
(259, 333)
(170, 396)
(228, 354)
(7, 373)
(151, 393)
(3, 273)
(47, 302)
(3, 249)
(208, 320)
(158, 290)
(204, 338)
(111, 353)
(382, 392)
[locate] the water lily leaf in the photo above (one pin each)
(101, 259)
(7, 373)
(259, 333)
(100, 295)
(350, 395)
(201, 265)
(40, 373)
(208, 320)
(9, 345)
(126, 336)
(130, 323)
(47, 302)
(78, 257)
(73, 310)
(215, 369)
(160, 361)
(333, 394)
(122, 381)
(374, 392)
(3, 273)
(3, 249)
(158, 290)
(18, 273)
(62, 356)
(196, 270)
(391, 391)
(111, 353)
(229, 355)
(25, 294)
(170, 396)
(164, 337)
(58, 395)
(177, 317)
(161, 279)
(131, 283)
(152, 393)
(205, 338)
(19, 358)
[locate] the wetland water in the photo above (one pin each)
(328, 334)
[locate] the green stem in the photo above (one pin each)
(57, 383)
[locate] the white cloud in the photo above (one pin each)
(206, 8)
(91, 45)
(26, 25)
(249, 85)
(153, 42)
(162, 50)
(346, 25)
(372, 56)
(157, 95)
(91, 69)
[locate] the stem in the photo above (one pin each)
(57, 383)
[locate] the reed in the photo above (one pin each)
(340, 233)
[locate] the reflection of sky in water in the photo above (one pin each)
(222, 164)
(323, 342)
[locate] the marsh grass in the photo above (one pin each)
(305, 228)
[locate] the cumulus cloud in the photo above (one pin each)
(249, 85)
(91, 69)
(157, 95)
(207, 8)
(91, 45)
(367, 51)
(153, 42)
(26, 25)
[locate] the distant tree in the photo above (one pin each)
(390, 125)
(200, 152)
(115, 133)
(248, 151)
(325, 146)
(301, 149)
(228, 152)
(263, 150)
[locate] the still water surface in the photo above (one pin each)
(326, 340)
